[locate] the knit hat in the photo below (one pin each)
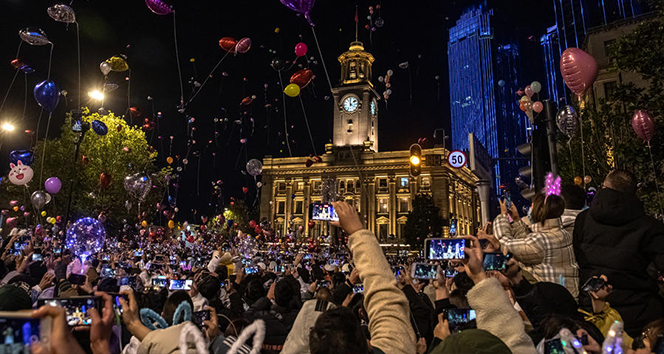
(15, 297)
(471, 341)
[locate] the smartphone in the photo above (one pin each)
(105, 258)
(160, 258)
(593, 284)
(199, 317)
(307, 256)
(495, 261)
(156, 266)
(57, 251)
(397, 271)
(445, 248)
(424, 271)
(334, 262)
(450, 272)
(138, 253)
(508, 199)
(37, 257)
(279, 268)
(453, 227)
(128, 281)
(583, 339)
(116, 301)
(180, 284)
(76, 308)
(323, 284)
(19, 331)
(358, 288)
(323, 212)
(185, 265)
(251, 270)
(77, 279)
(554, 346)
(159, 282)
(107, 273)
(460, 319)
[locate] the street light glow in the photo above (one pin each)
(8, 127)
(96, 95)
(414, 160)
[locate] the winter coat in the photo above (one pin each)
(616, 238)
(278, 320)
(297, 341)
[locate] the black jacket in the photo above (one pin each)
(278, 320)
(616, 238)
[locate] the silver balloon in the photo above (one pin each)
(33, 36)
(38, 199)
(109, 86)
(138, 185)
(254, 167)
(62, 13)
(105, 67)
(567, 121)
(48, 198)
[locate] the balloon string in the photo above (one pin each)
(571, 157)
(583, 153)
(304, 112)
(177, 57)
(283, 99)
(207, 78)
(654, 171)
(78, 52)
(25, 101)
(41, 173)
(8, 90)
(50, 60)
(320, 53)
(129, 96)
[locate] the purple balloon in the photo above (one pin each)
(643, 125)
(53, 185)
(300, 6)
(159, 7)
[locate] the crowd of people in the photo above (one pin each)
(579, 279)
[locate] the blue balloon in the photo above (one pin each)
(99, 127)
(86, 237)
(501, 83)
(26, 157)
(27, 69)
(47, 94)
(230, 223)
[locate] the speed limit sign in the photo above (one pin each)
(457, 159)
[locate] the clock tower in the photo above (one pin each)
(356, 100)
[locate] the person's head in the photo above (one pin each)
(255, 290)
(621, 180)
(109, 285)
(337, 331)
(547, 207)
(323, 293)
(283, 293)
(458, 299)
(652, 335)
(172, 304)
(463, 282)
(209, 286)
(574, 196)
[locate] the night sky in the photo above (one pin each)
(414, 31)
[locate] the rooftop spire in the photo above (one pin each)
(357, 20)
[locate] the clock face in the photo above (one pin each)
(373, 107)
(351, 104)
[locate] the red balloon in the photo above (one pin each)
(135, 112)
(300, 49)
(105, 179)
(17, 64)
(643, 125)
(228, 44)
(252, 224)
(309, 163)
(85, 160)
(579, 70)
(302, 78)
(247, 101)
(312, 223)
(258, 229)
(245, 190)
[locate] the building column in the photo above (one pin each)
(440, 191)
(392, 204)
(267, 196)
(289, 204)
(370, 186)
(484, 194)
(305, 206)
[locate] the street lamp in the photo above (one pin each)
(96, 95)
(8, 127)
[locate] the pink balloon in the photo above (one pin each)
(300, 49)
(243, 45)
(579, 70)
(529, 92)
(643, 125)
(538, 106)
(159, 7)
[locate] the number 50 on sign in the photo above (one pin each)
(457, 159)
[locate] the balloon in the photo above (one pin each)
(538, 106)
(501, 83)
(309, 163)
(118, 63)
(254, 167)
(566, 121)
(33, 36)
(13, 203)
(26, 157)
(228, 44)
(536, 86)
(390, 72)
(252, 223)
(171, 224)
(578, 180)
(579, 70)
(62, 13)
(243, 45)
(109, 86)
(144, 223)
(38, 199)
(169, 160)
(159, 7)
(86, 237)
(99, 127)
(20, 174)
(643, 125)
(245, 190)
(105, 179)
(292, 90)
(53, 185)
(27, 69)
(259, 184)
(301, 7)
(300, 49)
(43, 213)
(47, 94)
(105, 67)
(138, 185)
(404, 65)
(302, 78)
(278, 64)
(246, 101)
(529, 91)
(17, 64)
(587, 179)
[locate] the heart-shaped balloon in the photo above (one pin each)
(33, 36)
(26, 157)
(643, 125)
(579, 70)
(302, 78)
(62, 13)
(47, 94)
(243, 45)
(159, 7)
(228, 44)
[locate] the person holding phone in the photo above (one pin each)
(545, 249)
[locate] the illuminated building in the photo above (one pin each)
(377, 184)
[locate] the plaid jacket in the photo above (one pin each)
(545, 250)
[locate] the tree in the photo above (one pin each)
(423, 221)
(236, 213)
(122, 151)
(609, 140)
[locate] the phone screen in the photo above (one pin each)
(76, 308)
(358, 288)
(495, 261)
(453, 227)
(36, 257)
(450, 272)
(554, 346)
(424, 271)
(180, 284)
(251, 270)
(324, 212)
(199, 317)
(107, 273)
(77, 279)
(323, 284)
(18, 334)
(159, 282)
(445, 248)
(593, 284)
(460, 319)
(128, 281)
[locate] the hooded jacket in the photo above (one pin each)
(616, 238)
(297, 341)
